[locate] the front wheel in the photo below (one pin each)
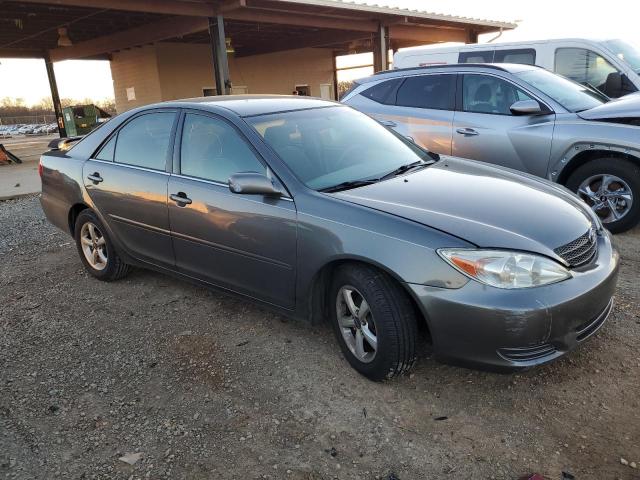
(611, 187)
(374, 321)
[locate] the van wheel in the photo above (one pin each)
(96, 249)
(611, 187)
(374, 321)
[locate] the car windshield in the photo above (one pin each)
(332, 146)
(625, 52)
(571, 95)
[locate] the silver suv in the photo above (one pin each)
(522, 117)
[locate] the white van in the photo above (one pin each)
(611, 66)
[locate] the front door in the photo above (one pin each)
(127, 180)
(485, 129)
(246, 243)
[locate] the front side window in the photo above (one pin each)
(325, 147)
(488, 94)
(144, 141)
(212, 149)
(107, 151)
(428, 91)
(583, 66)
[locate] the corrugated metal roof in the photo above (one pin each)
(388, 10)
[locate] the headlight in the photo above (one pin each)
(505, 269)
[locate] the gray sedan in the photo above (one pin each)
(316, 210)
(521, 117)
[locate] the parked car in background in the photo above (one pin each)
(318, 211)
(522, 117)
(611, 66)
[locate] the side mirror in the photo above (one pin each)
(251, 183)
(526, 107)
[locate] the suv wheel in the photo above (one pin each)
(96, 249)
(374, 321)
(611, 187)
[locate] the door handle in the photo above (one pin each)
(180, 198)
(469, 132)
(95, 178)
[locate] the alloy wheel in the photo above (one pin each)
(356, 324)
(609, 196)
(94, 246)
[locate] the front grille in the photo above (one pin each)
(524, 354)
(579, 251)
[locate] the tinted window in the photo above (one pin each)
(144, 141)
(428, 91)
(106, 152)
(383, 92)
(214, 150)
(583, 66)
(522, 55)
(476, 57)
(488, 94)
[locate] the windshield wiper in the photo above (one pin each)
(349, 185)
(405, 168)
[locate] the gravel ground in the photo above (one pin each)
(194, 384)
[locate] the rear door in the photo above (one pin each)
(127, 180)
(485, 129)
(246, 243)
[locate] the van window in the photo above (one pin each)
(476, 56)
(435, 91)
(526, 56)
(384, 92)
(489, 94)
(583, 66)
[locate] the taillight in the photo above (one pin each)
(40, 168)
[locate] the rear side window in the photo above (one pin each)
(428, 91)
(477, 56)
(525, 56)
(384, 92)
(144, 141)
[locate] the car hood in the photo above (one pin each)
(624, 107)
(486, 205)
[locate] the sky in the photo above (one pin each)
(541, 19)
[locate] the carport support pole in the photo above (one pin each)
(381, 49)
(219, 52)
(55, 96)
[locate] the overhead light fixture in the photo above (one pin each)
(63, 38)
(230, 48)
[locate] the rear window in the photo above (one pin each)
(383, 92)
(435, 92)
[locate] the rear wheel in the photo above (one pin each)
(374, 322)
(96, 250)
(611, 187)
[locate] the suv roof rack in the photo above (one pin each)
(446, 65)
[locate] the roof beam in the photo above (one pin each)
(322, 39)
(150, 33)
(166, 7)
(261, 16)
(21, 53)
(426, 34)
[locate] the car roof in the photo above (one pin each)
(250, 105)
(466, 67)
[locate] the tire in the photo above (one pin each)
(626, 171)
(105, 262)
(390, 317)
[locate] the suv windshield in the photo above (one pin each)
(571, 95)
(625, 52)
(335, 146)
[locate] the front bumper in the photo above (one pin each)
(479, 325)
